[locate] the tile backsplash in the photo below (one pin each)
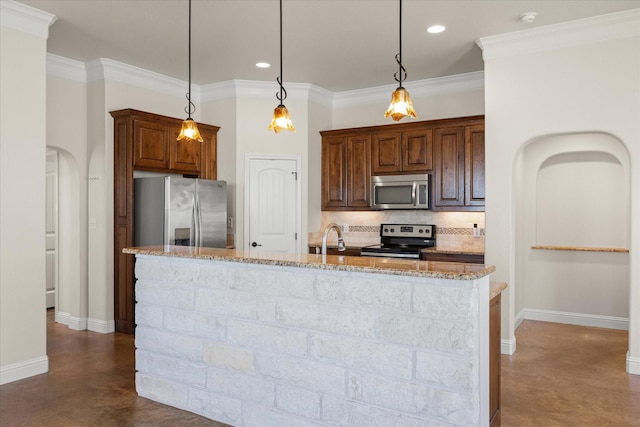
(453, 229)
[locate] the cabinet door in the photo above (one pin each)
(449, 174)
(417, 151)
(386, 149)
(474, 165)
(334, 172)
(209, 155)
(150, 145)
(358, 171)
(185, 154)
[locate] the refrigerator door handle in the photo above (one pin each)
(194, 223)
(198, 220)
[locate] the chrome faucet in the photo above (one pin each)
(334, 226)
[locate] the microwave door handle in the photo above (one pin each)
(414, 194)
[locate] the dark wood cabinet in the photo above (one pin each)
(346, 172)
(386, 153)
(452, 150)
(458, 177)
(350, 251)
(402, 152)
(474, 165)
(147, 142)
(494, 360)
(448, 179)
(448, 257)
(417, 151)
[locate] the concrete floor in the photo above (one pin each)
(561, 375)
(567, 375)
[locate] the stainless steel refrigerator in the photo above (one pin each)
(180, 211)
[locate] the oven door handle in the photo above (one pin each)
(390, 255)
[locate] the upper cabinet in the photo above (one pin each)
(155, 147)
(346, 171)
(474, 165)
(451, 150)
(458, 181)
(400, 152)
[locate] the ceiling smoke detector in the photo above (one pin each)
(528, 17)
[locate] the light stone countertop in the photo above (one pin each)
(580, 248)
(496, 288)
(448, 249)
(400, 267)
(453, 250)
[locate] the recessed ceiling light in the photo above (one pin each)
(435, 29)
(528, 17)
(263, 65)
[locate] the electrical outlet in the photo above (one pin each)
(230, 222)
(345, 228)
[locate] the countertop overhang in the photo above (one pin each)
(444, 249)
(401, 267)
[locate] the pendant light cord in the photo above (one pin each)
(190, 108)
(283, 92)
(401, 75)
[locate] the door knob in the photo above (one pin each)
(254, 244)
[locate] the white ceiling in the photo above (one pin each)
(335, 44)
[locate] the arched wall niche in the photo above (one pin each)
(71, 298)
(573, 190)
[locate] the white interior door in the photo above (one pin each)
(51, 228)
(272, 205)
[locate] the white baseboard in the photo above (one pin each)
(75, 323)
(508, 347)
(633, 364)
(102, 326)
(25, 369)
(518, 320)
(581, 319)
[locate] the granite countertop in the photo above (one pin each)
(400, 267)
(448, 249)
(496, 288)
(580, 248)
(454, 250)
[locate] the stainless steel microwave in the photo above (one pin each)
(400, 192)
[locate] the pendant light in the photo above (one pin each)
(401, 104)
(189, 129)
(281, 119)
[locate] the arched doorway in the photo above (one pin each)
(573, 204)
(71, 239)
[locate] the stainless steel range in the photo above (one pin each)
(402, 241)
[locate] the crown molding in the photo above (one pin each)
(218, 91)
(65, 68)
(418, 88)
(25, 18)
(231, 89)
(110, 70)
(564, 35)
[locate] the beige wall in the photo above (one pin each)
(574, 192)
(22, 204)
(67, 134)
(569, 80)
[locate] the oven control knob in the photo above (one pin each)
(392, 230)
(386, 230)
(421, 231)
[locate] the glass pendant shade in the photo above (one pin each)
(190, 131)
(281, 120)
(401, 105)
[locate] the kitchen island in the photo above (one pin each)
(254, 339)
